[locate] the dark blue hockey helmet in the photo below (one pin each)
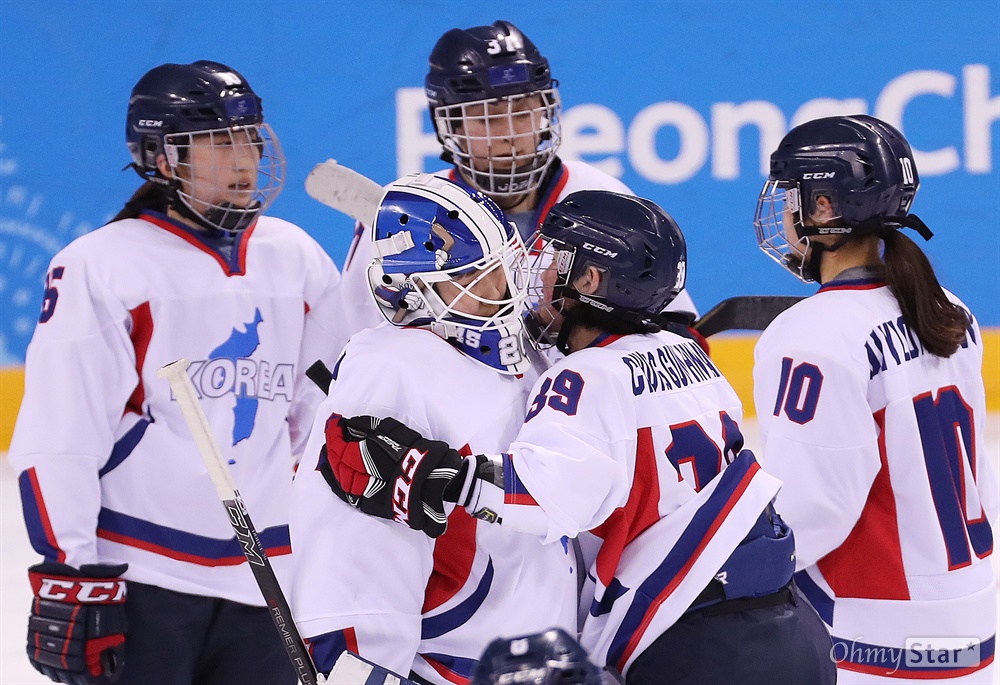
(548, 658)
(484, 63)
(174, 107)
(637, 248)
(495, 107)
(862, 166)
(175, 98)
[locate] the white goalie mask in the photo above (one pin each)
(448, 260)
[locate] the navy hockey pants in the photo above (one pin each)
(179, 639)
(771, 640)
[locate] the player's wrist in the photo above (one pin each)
(460, 489)
(485, 498)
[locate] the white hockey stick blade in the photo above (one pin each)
(352, 669)
(345, 190)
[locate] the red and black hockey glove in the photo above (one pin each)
(76, 631)
(390, 471)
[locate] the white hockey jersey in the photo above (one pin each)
(887, 483)
(391, 594)
(636, 439)
(569, 177)
(109, 471)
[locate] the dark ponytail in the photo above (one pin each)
(938, 322)
(150, 195)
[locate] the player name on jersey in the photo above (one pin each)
(669, 367)
(894, 341)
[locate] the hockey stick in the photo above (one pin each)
(744, 312)
(187, 399)
(345, 190)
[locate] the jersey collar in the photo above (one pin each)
(228, 249)
(853, 284)
(605, 339)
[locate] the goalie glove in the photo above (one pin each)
(390, 471)
(76, 630)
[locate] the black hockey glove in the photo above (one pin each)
(390, 471)
(76, 631)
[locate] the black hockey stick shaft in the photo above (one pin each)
(744, 312)
(187, 399)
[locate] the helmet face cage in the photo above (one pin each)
(426, 275)
(503, 145)
(779, 213)
(550, 272)
(226, 176)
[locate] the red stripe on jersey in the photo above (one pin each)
(142, 333)
(359, 230)
(244, 239)
(184, 556)
(187, 237)
(654, 607)
(454, 553)
(869, 563)
(605, 339)
(853, 285)
(445, 672)
(351, 638)
(639, 513)
(553, 196)
(43, 515)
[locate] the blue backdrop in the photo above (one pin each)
(682, 100)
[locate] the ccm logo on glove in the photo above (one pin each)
(401, 488)
(78, 591)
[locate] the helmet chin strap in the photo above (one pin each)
(811, 266)
(570, 321)
(571, 318)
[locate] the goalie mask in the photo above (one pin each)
(495, 107)
(841, 176)
(448, 260)
(549, 658)
(635, 246)
(226, 165)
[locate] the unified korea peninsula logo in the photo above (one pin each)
(231, 370)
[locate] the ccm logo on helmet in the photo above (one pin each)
(599, 250)
(82, 591)
(401, 490)
(152, 123)
(817, 175)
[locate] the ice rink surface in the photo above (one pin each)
(16, 555)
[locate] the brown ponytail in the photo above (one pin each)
(150, 195)
(938, 322)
